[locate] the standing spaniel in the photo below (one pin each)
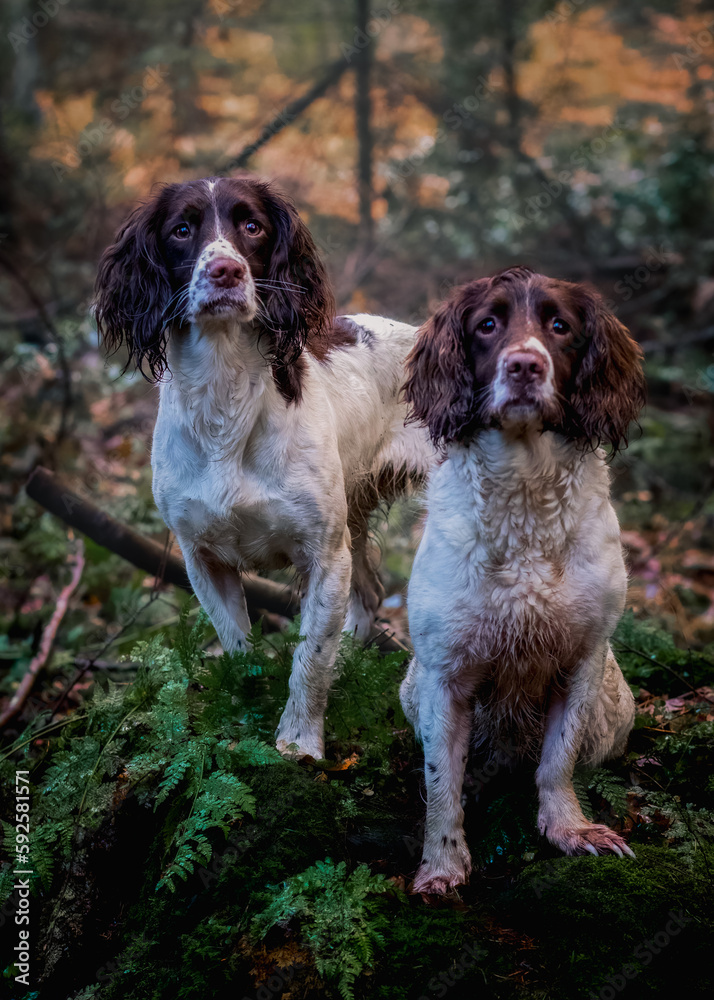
(279, 428)
(519, 580)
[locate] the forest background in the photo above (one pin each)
(425, 144)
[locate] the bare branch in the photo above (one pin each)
(288, 115)
(48, 637)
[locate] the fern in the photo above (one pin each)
(340, 921)
(188, 642)
(246, 691)
(580, 787)
(50, 843)
(366, 693)
(147, 738)
(218, 796)
(649, 657)
(218, 799)
(175, 773)
(611, 788)
(685, 827)
(67, 776)
(250, 752)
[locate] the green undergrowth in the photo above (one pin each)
(177, 855)
(650, 658)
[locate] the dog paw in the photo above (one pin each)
(431, 882)
(591, 839)
(442, 870)
(300, 751)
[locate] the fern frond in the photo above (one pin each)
(339, 918)
(580, 787)
(174, 775)
(612, 788)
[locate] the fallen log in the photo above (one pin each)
(54, 495)
(261, 595)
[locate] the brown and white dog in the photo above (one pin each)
(279, 428)
(519, 579)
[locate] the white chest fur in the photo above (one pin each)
(235, 470)
(520, 550)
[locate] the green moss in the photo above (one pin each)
(623, 911)
(177, 855)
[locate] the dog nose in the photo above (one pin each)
(525, 366)
(224, 272)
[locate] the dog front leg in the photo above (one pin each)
(560, 817)
(322, 610)
(220, 592)
(441, 710)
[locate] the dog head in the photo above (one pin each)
(212, 253)
(521, 348)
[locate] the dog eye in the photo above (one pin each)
(560, 326)
(487, 325)
(253, 228)
(182, 232)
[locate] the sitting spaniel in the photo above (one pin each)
(519, 579)
(279, 427)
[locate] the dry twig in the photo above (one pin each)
(48, 637)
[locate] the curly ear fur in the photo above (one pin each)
(610, 387)
(440, 384)
(294, 315)
(132, 292)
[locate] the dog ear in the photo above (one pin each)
(299, 305)
(610, 386)
(440, 383)
(133, 291)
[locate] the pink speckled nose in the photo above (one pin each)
(225, 272)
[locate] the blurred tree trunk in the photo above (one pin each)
(513, 104)
(579, 232)
(363, 113)
(182, 24)
(25, 72)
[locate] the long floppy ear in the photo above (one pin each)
(299, 305)
(610, 387)
(133, 291)
(440, 382)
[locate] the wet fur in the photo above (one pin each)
(519, 579)
(278, 424)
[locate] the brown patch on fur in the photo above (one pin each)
(365, 579)
(440, 385)
(610, 387)
(392, 483)
(380, 489)
(521, 665)
(343, 334)
(288, 377)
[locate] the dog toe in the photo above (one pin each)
(594, 839)
(430, 883)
